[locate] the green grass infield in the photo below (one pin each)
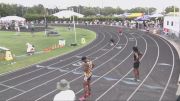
(17, 45)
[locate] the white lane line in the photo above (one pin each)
(164, 64)
(170, 73)
(53, 79)
(93, 69)
(27, 81)
(58, 56)
(109, 70)
(12, 88)
(132, 94)
(35, 77)
(83, 51)
(38, 66)
(22, 75)
(123, 76)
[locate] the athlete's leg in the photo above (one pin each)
(89, 87)
(135, 74)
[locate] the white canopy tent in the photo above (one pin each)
(67, 14)
(156, 15)
(12, 18)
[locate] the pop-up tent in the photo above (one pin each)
(67, 14)
(156, 15)
(12, 18)
(143, 18)
(134, 15)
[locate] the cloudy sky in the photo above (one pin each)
(125, 4)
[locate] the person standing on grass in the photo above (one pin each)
(87, 68)
(137, 56)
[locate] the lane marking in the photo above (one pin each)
(132, 94)
(119, 47)
(61, 55)
(132, 82)
(93, 70)
(110, 70)
(79, 63)
(131, 39)
(124, 75)
(164, 64)
(21, 75)
(170, 73)
(39, 66)
(11, 87)
(49, 81)
(105, 49)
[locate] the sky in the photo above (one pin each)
(124, 4)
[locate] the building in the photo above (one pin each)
(171, 25)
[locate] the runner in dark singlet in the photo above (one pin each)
(137, 56)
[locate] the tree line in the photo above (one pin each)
(39, 11)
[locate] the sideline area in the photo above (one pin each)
(45, 47)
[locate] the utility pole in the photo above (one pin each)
(75, 38)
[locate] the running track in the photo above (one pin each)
(113, 76)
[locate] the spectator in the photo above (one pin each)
(30, 49)
(65, 93)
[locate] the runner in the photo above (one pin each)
(112, 43)
(137, 57)
(87, 67)
(120, 31)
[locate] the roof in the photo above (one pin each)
(67, 14)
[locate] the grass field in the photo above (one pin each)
(17, 45)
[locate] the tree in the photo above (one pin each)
(88, 11)
(108, 11)
(137, 10)
(39, 9)
(171, 9)
(150, 10)
(119, 10)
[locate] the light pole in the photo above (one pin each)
(75, 38)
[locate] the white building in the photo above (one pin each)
(171, 25)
